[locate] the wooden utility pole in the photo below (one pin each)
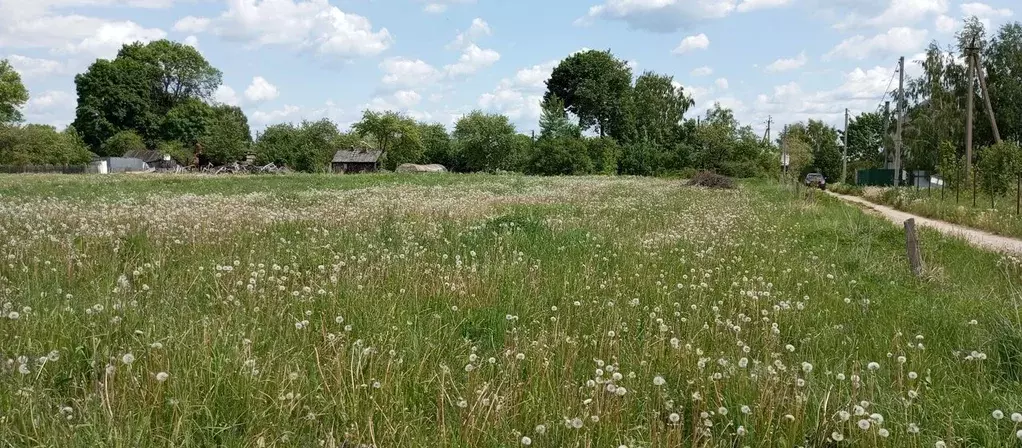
(986, 94)
(770, 119)
(888, 157)
(844, 155)
(901, 118)
(968, 114)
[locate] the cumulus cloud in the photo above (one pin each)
(945, 24)
(399, 72)
(721, 83)
(33, 67)
(691, 43)
(785, 64)
(479, 28)
(261, 90)
(702, 71)
(313, 25)
(287, 112)
(439, 6)
(519, 96)
(671, 15)
(472, 60)
(110, 36)
(226, 95)
(895, 40)
(191, 24)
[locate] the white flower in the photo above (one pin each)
(806, 367)
(13, 315)
(873, 366)
(843, 415)
(913, 428)
(128, 358)
(339, 319)
(940, 444)
(526, 441)
(462, 403)
(837, 436)
(520, 356)
(722, 410)
(883, 432)
(576, 423)
(621, 391)
(740, 431)
(540, 429)
(997, 414)
(1016, 417)
(864, 424)
(162, 376)
(674, 417)
(913, 375)
(23, 369)
(1018, 434)
(746, 410)
(659, 381)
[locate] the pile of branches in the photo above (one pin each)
(712, 180)
(237, 168)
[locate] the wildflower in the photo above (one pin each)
(879, 419)
(540, 429)
(659, 381)
(883, 432)
(339, 319)
(1016, 417)
(913, 428)
(23, 369)
(576, 423)
(520, 356)
(621, 391)
(940, 444)
(13, 315)
(873, 366)
(1018, 434)
(789, 347)
(722, 410)
(740, 431)
(997, 414)
(836, 436)
(162, 376)
(913, 375)
(526, 441)
(843, 415)
(462, 403)
(746, 410)
(806, 367)
(128, 358)
(864, 424)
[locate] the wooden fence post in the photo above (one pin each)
(915, 259)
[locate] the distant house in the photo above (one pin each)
(154, 159)
(356, 161)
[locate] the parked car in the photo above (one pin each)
(816, 180)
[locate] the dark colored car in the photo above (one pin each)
(816, 180)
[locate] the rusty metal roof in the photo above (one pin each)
(357, 156)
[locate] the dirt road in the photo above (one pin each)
(975, 237)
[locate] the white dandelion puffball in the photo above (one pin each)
(526, 441)
(520, 356)
(883, 432)
(162, 376)
(806, 367)
(837, 436)
(1016, 417)
(722, 410)
(864, 424)
(620, 391)
(746, 409)
(997, 414)
(128, 358)
(659, 381)
(674, 417)
(1018, 434)
(540, 429)
(873, 366)
(844, 415)
(940, 444)
(576, 423)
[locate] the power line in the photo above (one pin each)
(887, 90)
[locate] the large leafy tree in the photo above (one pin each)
(488, 142)
(822, 140)
(137, 89)
(12, 94)
(659, 108)
(395, 134)
(866, 137)
(596, 87)
(553, 121)
(307, 147)
(226, 136)
(37, 144)
(1003, 63)
(437, 145)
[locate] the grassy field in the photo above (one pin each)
(997, 217)
(489, 311)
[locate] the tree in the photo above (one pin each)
(226, 136)
(488, 142)
(554, 123)
(437, 146)
(122, 142)
(139, 88)
(659, 108)
(822, 141)
(866, 139)
(596, 87)
(560, 156)
(307, 147)
(603, 152)
(998, 167)
(395, 134)
(715, 139)
(187, 122)
(37, 144)
(12, 94)
(1003, 63)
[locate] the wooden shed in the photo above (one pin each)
(356, 161)
(154, 159)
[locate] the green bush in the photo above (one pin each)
(123, 142)
(37, 144)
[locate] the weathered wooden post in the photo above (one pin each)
(915, 259)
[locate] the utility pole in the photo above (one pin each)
(770, 119)
(986, 95)
(844, 155)
(888, 157)
(968, 112)
(901, 117)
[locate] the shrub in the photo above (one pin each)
(712, 180)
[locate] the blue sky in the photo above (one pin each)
(288, 60)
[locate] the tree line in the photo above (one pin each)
(597, 118)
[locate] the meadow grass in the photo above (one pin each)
(489, 311)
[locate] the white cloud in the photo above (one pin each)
(783, 65)
(984, 11)
(945, 24)
(519, 97)
(191, 24)
(407, 98)
(192, 41)
(908, 11)
(721, 83)
(472, 60)
(439, 6)
(702, 71)
(49, 101)
(276, 116)
(479, 28)
(33, 67)
(690, 43)
(109, 38)
(408, 73)
(261, 90)
(895, 40)
(226, 95)
(752, 5)
(309, 25)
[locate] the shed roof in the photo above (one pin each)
(147, 155)
(357, 156)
